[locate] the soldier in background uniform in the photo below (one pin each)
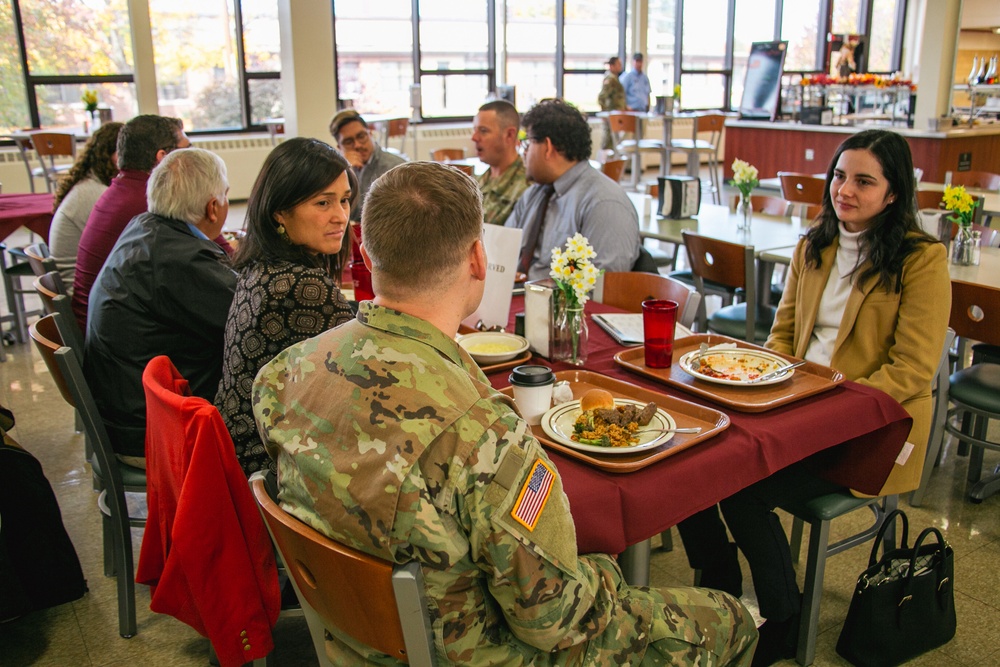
(389, 438)
(494, 132)
(611, 98)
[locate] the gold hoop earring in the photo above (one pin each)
(283, 235)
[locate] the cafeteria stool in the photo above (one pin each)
(375, 602)
(712, 122)
(116, 477)
(731, 265)
(819, 513)
(975, 391)
(52, 145)
(14, 290)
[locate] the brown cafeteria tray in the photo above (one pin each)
(522, 358)
(685, 413)
(808, 380)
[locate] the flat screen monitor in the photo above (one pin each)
(762, 86)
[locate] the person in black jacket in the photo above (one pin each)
(166, 289)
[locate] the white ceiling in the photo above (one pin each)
(980, 14)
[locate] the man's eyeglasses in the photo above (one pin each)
(360, 138)
(525, 143)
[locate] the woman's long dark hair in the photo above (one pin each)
(295, 170)
(895, 232)
(94, 160)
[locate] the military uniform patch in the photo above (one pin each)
(534, 495)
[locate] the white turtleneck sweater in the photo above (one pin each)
(834, 299)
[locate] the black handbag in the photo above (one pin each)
(904, 603)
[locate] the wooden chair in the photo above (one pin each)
(447, 154)
(25, 148)
(929, 199)
(369, 599)
(623, 126)
(712, 122)
(397, 127)
(116, 477)
(39, 258)
(614, 169)
(51, 145)
(975, 391)
(802, 191)
(465, 169)
(731, 265)
(628, 289)
(981, 180)
(14, 289)
(55, 300)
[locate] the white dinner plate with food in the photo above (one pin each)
(735, 366)
(559, 424)
(489, 347)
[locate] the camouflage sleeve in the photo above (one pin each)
(522, 536)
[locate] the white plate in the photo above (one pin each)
(558, 424)
(748, 364)
(511, 345)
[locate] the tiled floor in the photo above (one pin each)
(85, 632)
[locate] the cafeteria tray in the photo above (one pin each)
(522, 358)
(685, 413)
(808, 380)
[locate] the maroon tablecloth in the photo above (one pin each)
(857, 430)
(31, 211)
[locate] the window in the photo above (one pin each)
(881, 56)
(590, 36)
(456, 64)
(799, 27)
(754, 23)
(531, 38)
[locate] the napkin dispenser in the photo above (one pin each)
(539, 306)
(680, 197)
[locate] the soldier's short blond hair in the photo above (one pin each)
(418, 223)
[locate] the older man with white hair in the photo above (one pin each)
(165, 289)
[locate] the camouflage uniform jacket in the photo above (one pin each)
(612, 96)
(500, 194)
(389, 438)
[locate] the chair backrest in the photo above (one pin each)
(928, 199)
(52, 292)
(67, 372)
(465, 169)
(730, 264)
(981, 180)
(628, 289)
(621, 122)
(445, 154)
(653, 190)
(767, 205)
(712, 122)
(613, 169)
(40, 258)
(351, 591)
(397, 127)
(802, 191)
(54, 144)
(975, 311)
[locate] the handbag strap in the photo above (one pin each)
(889, 519)
(940, 548)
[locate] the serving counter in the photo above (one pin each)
(786, 146)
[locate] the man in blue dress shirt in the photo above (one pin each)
(636, 84)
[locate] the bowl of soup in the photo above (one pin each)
(489, 347)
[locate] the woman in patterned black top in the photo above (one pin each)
(289, 264)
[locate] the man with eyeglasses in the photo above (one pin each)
(569, 195)
(355, 141)
(142, 144)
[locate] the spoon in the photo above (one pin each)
(690, 429)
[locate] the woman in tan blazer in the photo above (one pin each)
(868, 293)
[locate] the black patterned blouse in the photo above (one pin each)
(275, 306)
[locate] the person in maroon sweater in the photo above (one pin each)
(142, 143)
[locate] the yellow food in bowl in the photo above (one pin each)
(490, 348)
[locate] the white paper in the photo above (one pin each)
(503, 245)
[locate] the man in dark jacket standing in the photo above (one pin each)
(165, 289)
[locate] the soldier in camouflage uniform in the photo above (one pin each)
(389, 438)
(494, 132)
(611, 98)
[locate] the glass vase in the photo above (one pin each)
(963, 247)
(95, 120)
(745, 210)
(569, 332)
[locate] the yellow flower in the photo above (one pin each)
(960, 203)
(745, 176)
(89, 99)
(574, 271)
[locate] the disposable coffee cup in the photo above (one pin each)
(532, 391)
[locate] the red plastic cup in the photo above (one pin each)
(360, 275)
(659, 317)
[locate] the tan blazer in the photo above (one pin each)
(887, 340)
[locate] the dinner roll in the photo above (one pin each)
(597, 398)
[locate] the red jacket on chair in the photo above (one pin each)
(206, 553)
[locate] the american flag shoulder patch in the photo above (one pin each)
(534, 494)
